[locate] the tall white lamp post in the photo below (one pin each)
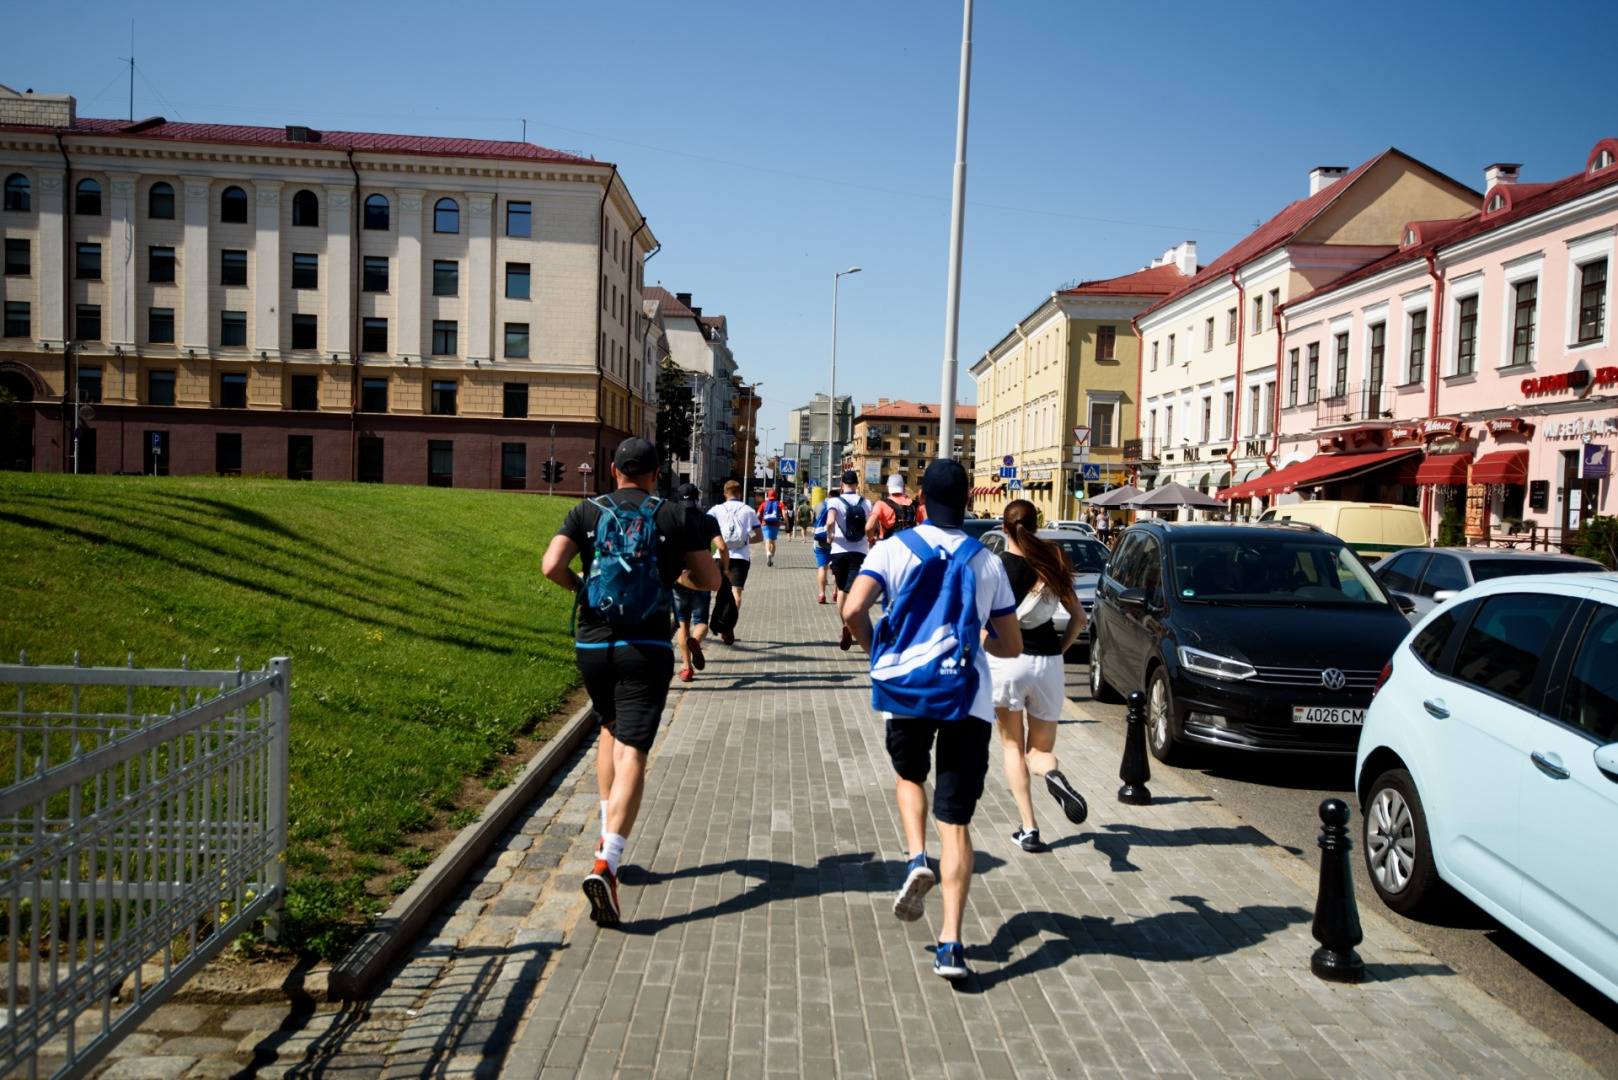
(957, 225)
(831, 406)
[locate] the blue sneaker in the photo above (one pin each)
(919, 878)
(949, 960)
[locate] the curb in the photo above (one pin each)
(394, 931)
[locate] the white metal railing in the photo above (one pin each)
(138, 827)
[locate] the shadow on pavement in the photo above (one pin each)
(1116, 840)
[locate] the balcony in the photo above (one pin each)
(1139, 450)
(1358, 402)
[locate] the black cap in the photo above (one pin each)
(945, 486)
(851, 478)
(688, 493)
(635, 457)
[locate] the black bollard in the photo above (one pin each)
(1337, 916)
(1135, 770)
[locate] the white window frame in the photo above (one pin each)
(1581, 251)
(1369, 317)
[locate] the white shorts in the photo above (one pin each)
(1037, 684)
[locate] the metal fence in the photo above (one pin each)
(143, 828)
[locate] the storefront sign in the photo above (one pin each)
(1327, 444)
(1595, 461)
(1578, 427)
(1578, 379)
(1404, 433)
(1443, 428)
(1509, 425)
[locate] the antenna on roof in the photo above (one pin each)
(131, 59)
(525, 129)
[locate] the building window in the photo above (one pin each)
(1592, 301)
(1207, 334)
(446, 277)
(1340, 376)
(1258, 315)
(1230, 325)
(305, 332)
(446, 216)
(90, 385)
(1228, 416)
(233, 390)
(227, 453)
(1292, 377)
(514, 465)
(516, 401)
(300, 457)
(1275, 307)
(1523, 319)
(18, 320)
(440, 463)
(1101, 430)
(517, 281)
(160, 388)
(1207, 419)
(87, 264)
(160, 326)
(373, 395)
(1171, 350)
(1466, 337)
(443, 399)
(1252, 410)
(233, 267)
(18, 262)
(305, 209)
(376, 273)
(1379, 355)
(1313, 383)
(517, 341)
(233, 328)
(305, 393)
(370, 464)
(445, 337)
(519, 219)
(17, 193)
(1168, 424)
(1417, 361)
(160, 202)
(1154, 356)
(87, 322)
(376, 212)
(160, 264)
(305, 271)
(87, 199)
(233, 206)
(1269, 408)
(374, 336)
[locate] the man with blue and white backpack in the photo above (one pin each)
(633, 548)
(948, 606)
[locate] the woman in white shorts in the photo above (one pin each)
(1033, 684)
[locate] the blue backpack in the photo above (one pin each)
(624, 587)
(922, 661)
(772, 511)
(821, 539)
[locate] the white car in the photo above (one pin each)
(1489, 763)
(1074, 526)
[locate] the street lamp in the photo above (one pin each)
(831, 406)
(769, 433)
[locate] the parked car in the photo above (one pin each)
(976, 527)
(1087, 557)
(1076, 526)
(1429, 576)
(1251, 637)
(1489, 763)
(1371, 529)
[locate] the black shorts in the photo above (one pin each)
(845, 567)
(963, 761)
(628, 685)
(738, 572)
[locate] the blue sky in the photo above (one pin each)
(772, 144)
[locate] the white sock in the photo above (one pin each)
(612, 850)
(603, 818)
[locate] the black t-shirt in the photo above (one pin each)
(677, 535)
(1042, 640)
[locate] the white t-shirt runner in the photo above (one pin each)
(736, 524)
(891, 563)
(835, 506)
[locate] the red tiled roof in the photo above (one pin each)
(672, 308)
(157, 128)
(1153, 281)
(910, 410)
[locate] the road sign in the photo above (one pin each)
(1015, 485)
(157, 442)
(1008, 471)
(1008, 460)
(1081, 436)
(584, 467)
(1092, 472)
(789, 466)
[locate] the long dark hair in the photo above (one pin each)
(1048, 560)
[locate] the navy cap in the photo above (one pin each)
(635, 457)
(945, 486)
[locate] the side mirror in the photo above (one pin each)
(1607, 761)
(1135, 598)
(1403, 603)
(1444, 594)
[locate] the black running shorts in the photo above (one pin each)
(738, 573)
(963, 761)
(628, 685)
(845, 567)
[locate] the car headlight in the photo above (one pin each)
(1216, 666)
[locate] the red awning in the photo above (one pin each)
(1502, 467)
(1321, 469)
(1444, 469)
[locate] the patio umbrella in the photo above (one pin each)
(1170, 495)
(1114, 497)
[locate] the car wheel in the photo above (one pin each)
(1398, 853)
(1099, 690)
(1160, 720)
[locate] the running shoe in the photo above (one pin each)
(848, 639)
(728, 638)
(1072, 803)
(685, 675)
(601, 889)
(1028, 840)
(769, 560)
(949, 960)
(919, 878)
(698, 661)
(822, 599)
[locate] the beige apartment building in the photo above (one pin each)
(317, 304)
(901, 438)
(1057, 395)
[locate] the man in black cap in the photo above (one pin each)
(962, 749)
(691, 605)
(626, 667)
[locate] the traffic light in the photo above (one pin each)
(552, 472)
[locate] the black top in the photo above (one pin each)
(1041, 640)
(677, 535)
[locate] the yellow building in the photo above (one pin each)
(900, 438)
(1057, 395)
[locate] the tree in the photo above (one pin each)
(677, 415)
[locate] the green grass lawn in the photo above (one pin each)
(422, 634)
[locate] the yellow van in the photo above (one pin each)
(1371, 529)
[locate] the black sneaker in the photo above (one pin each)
(1072, 803)
(1028, 840)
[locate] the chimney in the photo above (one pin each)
(1324, 176)
(881, 401)
(695, 311)
(866, 406)
(1184, 257)
(299, 133)
(1500, 173)
(684, 298)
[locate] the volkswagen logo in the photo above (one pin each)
(1333, 679)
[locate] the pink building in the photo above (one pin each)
(1475, 364)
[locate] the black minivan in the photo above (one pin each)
(1254, 637)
